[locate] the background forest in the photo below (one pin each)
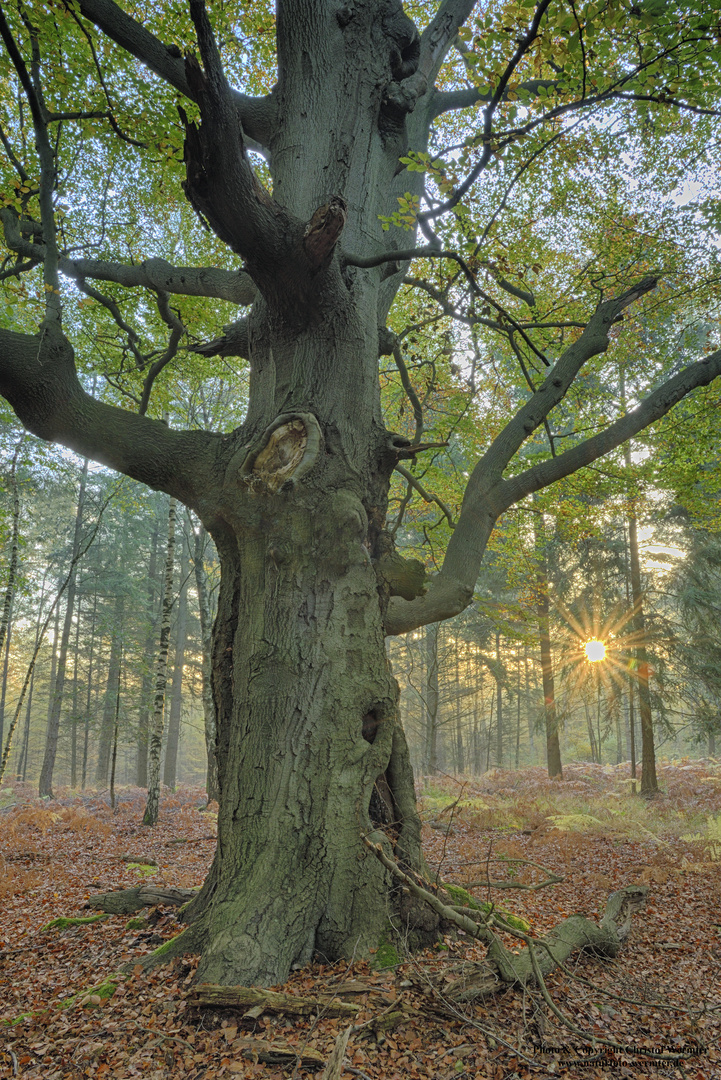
(567, 212)
(83, 597)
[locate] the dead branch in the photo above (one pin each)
(125, 901)
(484, 883)
(270, 1001)
(503, 968)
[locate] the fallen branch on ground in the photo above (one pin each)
(502, 968)
(126, 901)
(246, 997)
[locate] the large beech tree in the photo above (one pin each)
(317, 192)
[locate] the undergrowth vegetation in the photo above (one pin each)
(592, 799)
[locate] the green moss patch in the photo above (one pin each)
(386, 955)
(137, 924)
(90, 999)
(143, 869)
(461, 898)
(63, 923)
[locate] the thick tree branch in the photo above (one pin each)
(235, 286)
(593, 340)
(499, 93)
(255, 114)
(234, 342)
(38, 378)
(652, 408)
(410, 391)
(174, 324)
(431, 252)
(439, 35)
(220, 182)
(46, 157)
(485, 500)
(448, 100)
(485, 497)
(13, 158)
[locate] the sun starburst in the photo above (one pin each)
(595, 650)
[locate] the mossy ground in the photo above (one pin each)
(63, 923)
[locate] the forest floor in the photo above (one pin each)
(661, 995)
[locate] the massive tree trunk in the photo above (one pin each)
(310, 747)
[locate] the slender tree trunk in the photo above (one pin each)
(432, 698)
(6, 615)
(518, 711)
(598, 718)
(146, 705)
(105, 743)
(649, 783)
(476, 737)
(527, 702)
(89, 698)
(114, 758)
(6, 668)
(51, 739)
(553, 746)
(591, 732)
(201, 584)
(22, 765)
(499, 702)
(632, 728)
(54, 657)
(74, 707)
(40, 637)
(460, 755)
(176, 683)
(490, 728)
(156, 734)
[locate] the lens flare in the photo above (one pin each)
(595, 650)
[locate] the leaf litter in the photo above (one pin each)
(68, 1009)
